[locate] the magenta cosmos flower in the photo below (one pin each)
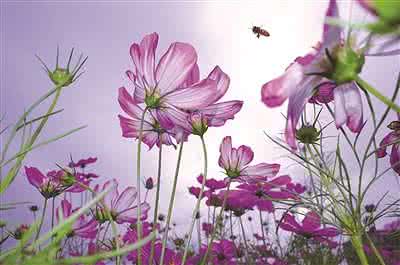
(122, 205)
(304, 79)
(392, 140)
(310, 228)
(263, 193)
(235, 162)
(223, 253)
(56, 182)
(82, 228)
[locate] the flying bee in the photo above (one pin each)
(260, 31)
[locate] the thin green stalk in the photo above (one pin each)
(138, 185)
(153, 242)
(197, 207)
(171, 203)
(42, 218)
(367, 87)
(375, 250)
(214, 233)
(14, 170)
(356, 241)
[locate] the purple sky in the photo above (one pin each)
(104, 31)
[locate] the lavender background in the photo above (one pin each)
(104, 30)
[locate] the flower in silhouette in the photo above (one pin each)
(235, 162)
(82, 228)
(122, 205)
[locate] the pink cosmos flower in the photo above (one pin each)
(49, 185)
(235, 162)
(392, 139)
(302, 81)
(212, 184)
(122, 205)
(223, 253)
(131, 237)
(262, 193)
(310, 228)
(82, 227)
(167, 87)
(153, 133)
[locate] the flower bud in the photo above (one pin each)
(149, 185)
(63, 77)
(33, 208)
(199, 123)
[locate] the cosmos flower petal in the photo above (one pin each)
(128, 104)
(222, 80)
(276, 91)
(125, 199)
(331, 33)
(110, 197)
(245, 156)
(225, 151)
(348, 107)
(395, 158)
(386, 142)
(311, 221)
(262, 169)
(195, 97)
(130, 128)
(193, 77)
(219, 113)
(175, 66)
(35, 177)
(297, 102)
(148, 47)
(130, 215)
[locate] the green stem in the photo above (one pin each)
(262, 229)
(214, 233)
(197, 207)
(171, 203)
(153, 242)
(247, 257)
(367, 87)
(41, 219)
(375, 250)
(356, 241)
(14, 170)
(138, 185)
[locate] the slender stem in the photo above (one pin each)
(197, 207)
(214, 233)
(153, 242)
(42, 218)
(375, 250)
(138, 185)
(171, 203)
(356, 241)
(367, 87)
